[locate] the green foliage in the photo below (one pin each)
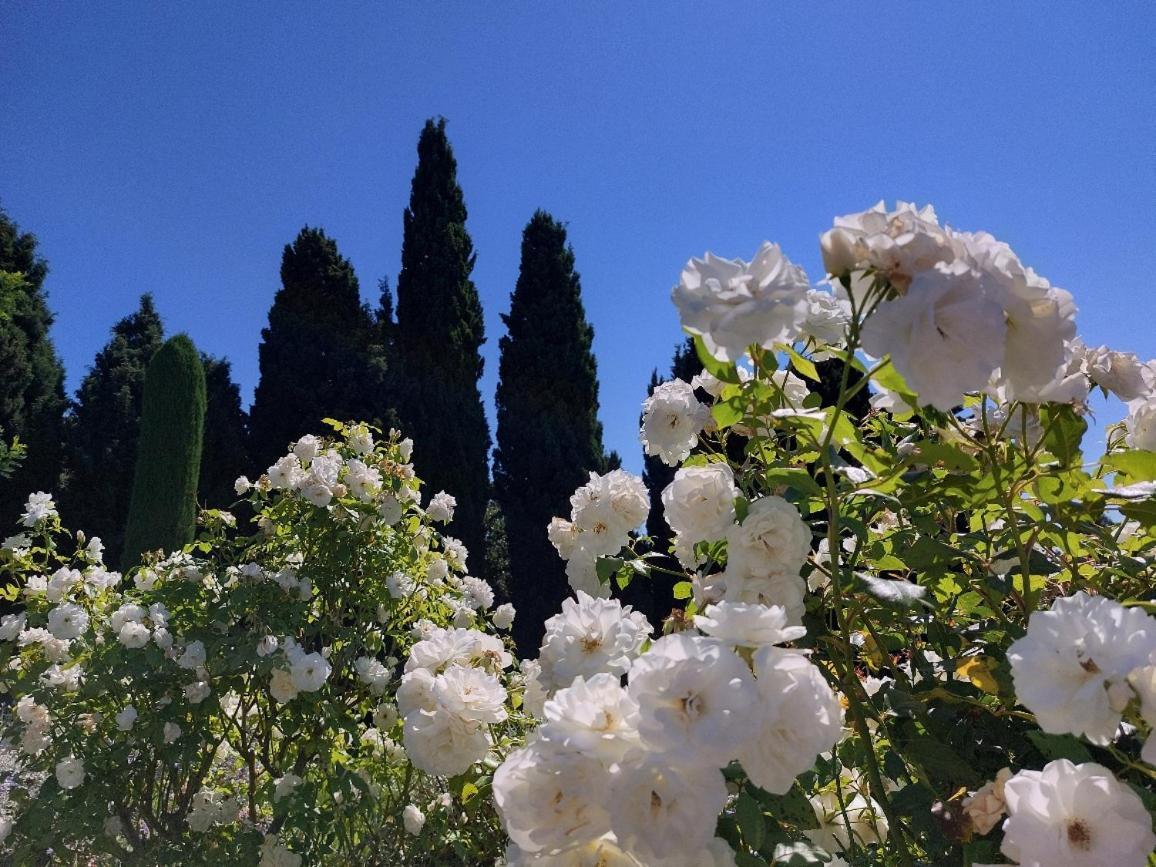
(439, 334)
(318, 356)
(312, 580)
(224, 451)
(11, 455)
(163, 510)
(549, 436)
(32, 399)
(104, 428)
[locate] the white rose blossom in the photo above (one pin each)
(672, 419)
(734, 305)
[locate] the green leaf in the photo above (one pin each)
(1137, 465)
(683, 590)
(1054, 747)
(727, 412)
(1064, 431)
(724, 371)
(750, 819)
(606, 567)
(805, 366)
(793, 477)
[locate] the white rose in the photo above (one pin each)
(699, 503)
(672, 419)
(735, 305)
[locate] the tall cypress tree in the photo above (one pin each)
(439, 334)
(32, 401)
(549, 436)
(224, 452)
(316, 354)
(163, 510)
(104, 427)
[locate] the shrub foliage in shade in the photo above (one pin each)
(104, 427)
(32, 398)
(163, 510)
(316, 356)
(439, 334)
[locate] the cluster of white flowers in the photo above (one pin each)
(321, 476)
(39, 509)
(1082, 662)
(450, 694)
(603, 513)
(672, 419)
(636, 769)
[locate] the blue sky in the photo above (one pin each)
(175, 148)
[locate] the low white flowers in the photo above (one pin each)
(126, 718)
(70, 772)
(672, 419)
(309, 671)
(67, 620)
(590, 636)
(740, 625)
(735, 304)
(699, 503)
(1071, 815)
(1071, 669)
(413, 819)
(38, 509)
(441, 507)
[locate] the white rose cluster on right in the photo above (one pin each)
(632, 774)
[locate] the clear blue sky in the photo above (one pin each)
(176, 147)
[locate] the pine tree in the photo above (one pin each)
(32, 401)
(163, 508)
(549, 437)
(224, 453)
(103, 430)
(316, 356)
(439, 334)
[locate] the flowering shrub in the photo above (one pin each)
(919, 636)
(242, 701)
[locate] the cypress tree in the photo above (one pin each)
(163, 510)
(439, 333)
(32, 401)
(316, 356)
(224, 453)
(104, 427)
(549, 436)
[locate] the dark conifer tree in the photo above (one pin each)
(224, 452)
(549, 437)
(162, 513)
(32, 401)
(104, 427)
(316, 355)
(439, 334)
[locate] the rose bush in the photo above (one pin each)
(919, 633)
(243, 701)
(919, 636)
